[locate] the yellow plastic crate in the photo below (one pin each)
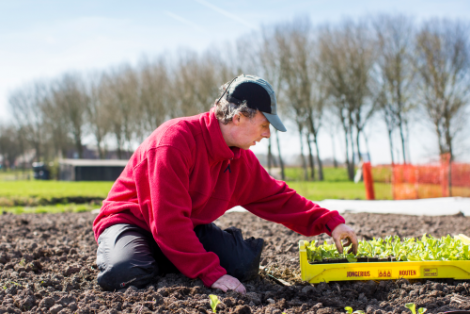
(316, 273)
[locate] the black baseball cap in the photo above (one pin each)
(258, 94)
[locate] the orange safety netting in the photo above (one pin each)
(426, 181)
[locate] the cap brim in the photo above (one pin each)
(275, 121)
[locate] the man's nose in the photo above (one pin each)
(267, 134)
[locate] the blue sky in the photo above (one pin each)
(42, 39)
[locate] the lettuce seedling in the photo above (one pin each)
(349, 310)
(427, 248)
(214, 301)
(412, 308)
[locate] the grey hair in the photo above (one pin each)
(225, 110)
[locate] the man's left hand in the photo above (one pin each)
(342, 232)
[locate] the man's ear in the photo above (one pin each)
(236, 119)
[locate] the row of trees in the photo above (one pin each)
(330, 78)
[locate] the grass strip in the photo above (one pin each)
(318, 191)
(49, 209)
(55, 189)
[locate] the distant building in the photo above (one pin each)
(90, 169)
(90, 152)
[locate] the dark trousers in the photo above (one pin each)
(128, 255)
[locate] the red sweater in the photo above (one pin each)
(184, 175)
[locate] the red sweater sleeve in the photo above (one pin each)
(162, 187)
(273, 200)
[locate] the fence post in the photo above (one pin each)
(368, 180)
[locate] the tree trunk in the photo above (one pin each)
(391, 145)
(79, 146)
(99, 148)
(310, 157)
(358, 147)
(348, 162)
(353, 159)
(302, 157)
(119, 148)
(320, 165)
(335, 162)
(283, 175)
(407, 141)
(38, 152)
(118, 134)
(402, 136)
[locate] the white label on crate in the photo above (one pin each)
(384, 273)
(430, 272)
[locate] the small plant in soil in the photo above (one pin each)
(412, 308)
(327, 253)
(426, 248)
(214, 301)
(349, 310)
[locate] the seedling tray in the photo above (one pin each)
(316, 273)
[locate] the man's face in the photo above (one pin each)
(249, 131)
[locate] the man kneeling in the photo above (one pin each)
(158, 215)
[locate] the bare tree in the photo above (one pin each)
(25, 105)
(346, 58)
(11, 145)
(395, 62)
(71, 101)
(330, 121)
(270, 68)
(312, 89)
(389, 117)
(56, 125)
(304, 89)
(97, 115)
(196, 80)
(443, 64)
(295, 105)
(156, 94)
(121, 99)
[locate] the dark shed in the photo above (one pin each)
(90, 169)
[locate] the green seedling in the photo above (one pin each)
(214, 301)
(412, 308)
(426, 248)
(349, 310)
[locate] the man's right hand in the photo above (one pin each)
(227, 282)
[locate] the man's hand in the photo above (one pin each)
(227, 282)
(342, 232)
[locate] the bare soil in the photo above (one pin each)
(47, 265)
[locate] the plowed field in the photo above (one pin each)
(47, 265)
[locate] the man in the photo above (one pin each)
(158, 215)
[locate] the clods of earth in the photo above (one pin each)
(47, 265)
